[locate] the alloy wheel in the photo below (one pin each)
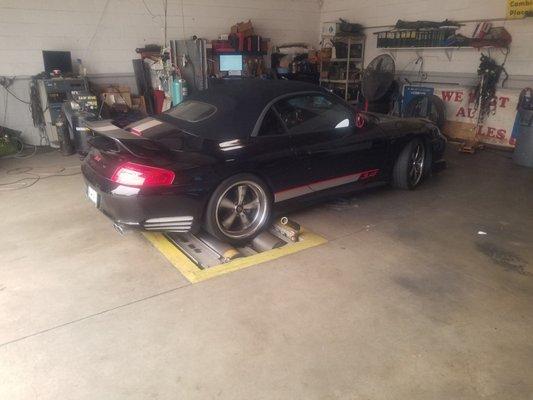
(416, 164)
(242, 209)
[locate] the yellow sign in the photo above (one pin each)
(518, 8)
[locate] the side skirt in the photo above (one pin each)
(322, 185)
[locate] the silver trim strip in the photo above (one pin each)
(168, 226)
(147, 125)
(342, 180)
(316, 186)
(169, 219)
(292, 193)
(169, 229)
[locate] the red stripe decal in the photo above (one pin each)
(297, 191)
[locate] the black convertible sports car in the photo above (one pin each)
(226, 156)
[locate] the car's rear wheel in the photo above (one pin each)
(239, 209)
(411, 165)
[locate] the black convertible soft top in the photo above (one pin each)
(239, 104)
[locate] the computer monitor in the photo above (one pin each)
(231, 63)
(57, 60)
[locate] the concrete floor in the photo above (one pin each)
(406, 301)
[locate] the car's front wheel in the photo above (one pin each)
(239, 209)
(411, 165)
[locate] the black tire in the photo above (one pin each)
(428, 163)
(402, 174)
(219, 212)
(19, 144)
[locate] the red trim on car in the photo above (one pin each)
(308, 188)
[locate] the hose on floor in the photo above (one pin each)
(34, 175)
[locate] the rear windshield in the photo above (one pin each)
(192, 111)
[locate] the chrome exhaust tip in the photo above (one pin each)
(119, 228)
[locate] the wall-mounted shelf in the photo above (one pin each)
(448, 50)
(433, 48)
(240, 53)
(358, 59)
(340, 80)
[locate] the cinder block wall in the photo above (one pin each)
(105, 33)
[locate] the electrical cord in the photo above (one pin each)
(6, 82)
(148, 9)
(34, 177)
(102, 15)
(34, 108)
(5, 108)
(20, 153)
(183, 20)
(15, 96)
(21, 143)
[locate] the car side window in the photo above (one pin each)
(312, 113)
(271, 125)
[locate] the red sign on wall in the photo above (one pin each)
(462, 116)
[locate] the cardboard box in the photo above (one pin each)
(138, 103)
(117, 95)
(244, 26)
(325, 53)
(248, 32)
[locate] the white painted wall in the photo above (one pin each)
(386, 12)
(105, 33)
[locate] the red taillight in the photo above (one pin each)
(132, 174)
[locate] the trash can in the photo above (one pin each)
(523, 151)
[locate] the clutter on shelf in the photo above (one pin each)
(240, 52)
(432, 34)
(296, 61)
(341, 58)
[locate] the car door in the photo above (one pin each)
(325, 139)
(272, 157)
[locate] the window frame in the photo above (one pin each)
(271, 105)
(286, 132)
(215, 110)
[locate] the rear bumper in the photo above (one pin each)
(169, 209)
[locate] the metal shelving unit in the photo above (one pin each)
(349, 61)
